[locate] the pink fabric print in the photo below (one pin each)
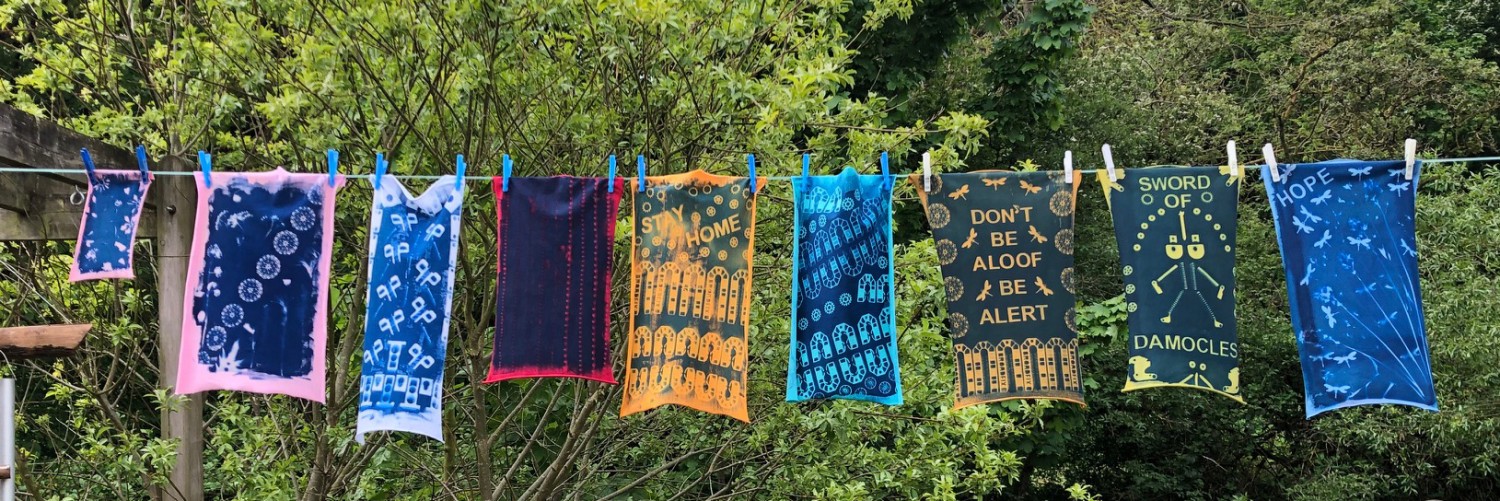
(106, 235)
(257, 286)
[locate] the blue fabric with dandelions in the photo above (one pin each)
(1348, 241)
(843, 342)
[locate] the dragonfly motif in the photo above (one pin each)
(1335, 389)
(1307, 275)
(972, 236)
(1399, 187)
(1328, 314)
(1346, 358)
(1359, 242)
(995, 183)
(1030, 188)
(1323, 198)
(1311, 218)
(961, 192)
(1301, 226)
(1042, 286)
(1361, 172)
(1035, 235)
(984, 294)
(1327, 235)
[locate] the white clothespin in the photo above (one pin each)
(1234, 161)
(1068, 165)
(1411, 156)
(927, 171)
(1271, 162)
(1109, 163)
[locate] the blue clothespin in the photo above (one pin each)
(140, 160)
(379, 168)
(333, 166)
(640, 171)
(504, 173)
(885, 169)
(611, 173)
(462, 167)
(751, 158)
(206, 162)
(88, 161)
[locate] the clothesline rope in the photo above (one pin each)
(1248, 169)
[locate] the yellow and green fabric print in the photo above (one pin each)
(1175, 227)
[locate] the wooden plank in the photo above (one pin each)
(36, 207)
(40, 207)
(177, 196)
(39, 341)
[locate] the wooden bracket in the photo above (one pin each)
(39, 341)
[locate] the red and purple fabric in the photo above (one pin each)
(555, 249)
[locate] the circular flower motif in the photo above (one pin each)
(947, 252)
(959, 324)
(215, 339)
(711, 211)
(845, 299)
(285, 243)
(303, 219)
(816, 314)
(734, 204)
(697, 218)
(232, 316)
(828, 307)
(734, 241)
(646, 206)
(846, 204)
(1129, 289)
(1128, 270)
(703, 251)
(802, 323)
(718, 199)
(938, 215)
(1061, 203)
(1064, 241)
(267, 267)
(1131, 307)
(955, 288)
(1070, 318)
(723, 255)
(250, 290)
(1067, 279)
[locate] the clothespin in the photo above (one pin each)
(462, 167)
(1234, 160)
(885, 169)
(611, 173)
(333, 166)
(806, 170)
(1109, 163)
(1411, 156)
(206, 162)
(88, 161)
(140, 161)
(1068, 165)
(927, 171)
(640, 172)
(505, 167)
(750, 158)
(1270, 154)
(379, 168)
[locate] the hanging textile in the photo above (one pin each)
(843, 342)
(1175, 227)
(690, 294)
(106, 235)
(257, 285)
(556, 250)
(408, 307)
(1348, 243)
(1005, 244)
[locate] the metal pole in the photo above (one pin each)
(8, 439)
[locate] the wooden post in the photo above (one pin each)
(177, 199)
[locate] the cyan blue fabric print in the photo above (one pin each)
(413, 241)
(111, 214)
(843, 342)
(1348, 242)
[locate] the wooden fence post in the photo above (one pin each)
(176, 204)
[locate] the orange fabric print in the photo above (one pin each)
(690, 294)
